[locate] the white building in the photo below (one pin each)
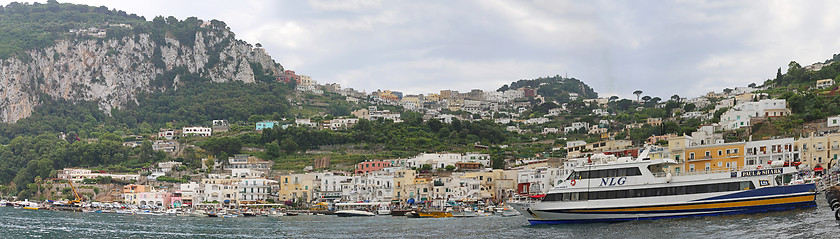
(540, 120)
(825, 83)
(576, 126)
(436, 160)
(540, 179)
(549, 130)
(763, 151)
(200, 131)
(255, 189)
(739, 115)
(833, 121)
(377, 187)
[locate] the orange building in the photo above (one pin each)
(370, 166)
(714, 157)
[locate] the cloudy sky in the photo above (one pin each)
(660, 47)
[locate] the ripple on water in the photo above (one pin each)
(803, 223)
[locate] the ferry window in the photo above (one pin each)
(584, 196)
(746, 185)
(621, 172)
(601, 195)
(690, 190)
(734, 186)
(650, 192)
(612, 173)
(671, 191)
(567, 196)
(584, 175)
(575, 196)
(634, 172)
(639, 192)
(701, 188)
(680, 190)
(621, 194)
(610, 194)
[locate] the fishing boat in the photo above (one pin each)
(609, 189)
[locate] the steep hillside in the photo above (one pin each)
(555, 88)
(93, 54)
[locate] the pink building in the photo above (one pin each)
(370, 166)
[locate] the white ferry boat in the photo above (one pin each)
(626, 189)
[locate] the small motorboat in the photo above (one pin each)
(354, 213)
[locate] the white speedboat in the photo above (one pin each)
(354, 213)
(627, 189)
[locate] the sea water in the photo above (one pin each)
(816, 222)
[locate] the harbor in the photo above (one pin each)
(815, 222)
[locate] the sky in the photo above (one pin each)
(660, 47)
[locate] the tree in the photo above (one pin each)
(646, 98)
(289, 145)
(675, 98)
(689, 107)
(655, 100)
(613, 98)
(637, 93)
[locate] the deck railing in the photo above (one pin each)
(701, 172)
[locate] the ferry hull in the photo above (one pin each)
(780, 198)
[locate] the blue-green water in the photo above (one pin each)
(17, 223)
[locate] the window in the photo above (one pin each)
(734, 151)
(691, 167)
(720, 164)
(720, 152)
(728, 152)
(708, 166)
(691, 156)
(708, 154)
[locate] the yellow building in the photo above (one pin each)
(296, 187)
(676, 151)
(714, 157)
(403, 185)
(818, 150)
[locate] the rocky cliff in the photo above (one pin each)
(113, 71)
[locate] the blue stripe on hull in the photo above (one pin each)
(741, 210)
(768, 191)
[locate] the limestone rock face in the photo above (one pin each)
(114, 71)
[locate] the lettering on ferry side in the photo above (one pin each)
(762, 183)
(761, 172)
(613, 181)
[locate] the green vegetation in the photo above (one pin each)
(555, 88)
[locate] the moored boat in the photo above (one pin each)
(399, 212)
(627, 189)
(354, 213)
(434, 214)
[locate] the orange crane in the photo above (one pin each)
(78, 199)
